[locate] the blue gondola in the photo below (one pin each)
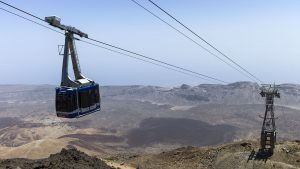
(79, 97)
(77, 102)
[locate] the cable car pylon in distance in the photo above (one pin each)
(268, 132)
(78, 97)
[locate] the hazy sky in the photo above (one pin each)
(262, 36)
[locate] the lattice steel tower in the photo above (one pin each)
(268, 132)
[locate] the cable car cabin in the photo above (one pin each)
(78, 97)
(76, 102)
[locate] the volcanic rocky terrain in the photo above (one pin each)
(141, 119)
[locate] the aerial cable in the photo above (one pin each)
(206, 41)
(144, 60)
(186, 36)
(249, 75)
(165, 63)
(21, 10)
(119, 48)
(32, 21)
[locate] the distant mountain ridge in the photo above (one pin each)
(231, 94)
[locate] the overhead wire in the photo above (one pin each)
(162, 62)
(21, 10)
(32, 21)
(181, 69)
(144, 60)
(249, 75)
(226, 56)
(189, 38)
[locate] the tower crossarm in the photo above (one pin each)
(55, 21)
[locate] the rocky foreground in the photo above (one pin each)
(238, 155)
(66, 159)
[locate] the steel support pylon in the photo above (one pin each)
(268, 132)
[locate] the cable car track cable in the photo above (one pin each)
(31, 21)
(198, 44)
(162, 62)
(145, 60)
(249, 75)
(244, 69)
(21, 10)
